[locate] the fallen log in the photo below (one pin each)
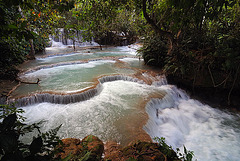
(38, 80)
(19, 83)
(13, 89)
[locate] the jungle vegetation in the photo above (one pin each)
(196, 40)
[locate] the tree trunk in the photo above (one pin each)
(158, 30)
(31, 55)
(74, 44)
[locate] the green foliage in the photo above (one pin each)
(42, 147)
(132, 159)
(202, 43)
(154, 51)
(165, 149)
(6, 110)
(11, 149)
(188, 155)
(169, 152)
(104, 20)
(86, 156)
(21, 21)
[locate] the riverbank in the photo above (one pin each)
(8, 80)
(5, 87)
(92, 148)
(215, 97)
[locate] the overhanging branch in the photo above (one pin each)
(154, 25)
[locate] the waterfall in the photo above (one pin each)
(54, 98)
(159, 80)
(119, 77)
(113, 102)
(70, 98)
(56, 43)
(81, 95)
(62, 39)
(155, 107)
(184, 121)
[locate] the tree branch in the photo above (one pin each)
(38, 81)
(234, 82)
(166, 34)
(214, 84)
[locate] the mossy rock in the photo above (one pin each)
(70, 146)
(89, 149)
(129, 150)
(94, 145)
(143, 151)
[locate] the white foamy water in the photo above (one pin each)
(96, 116)
(210, 133)
(55, 70)
(69, 77)
(58, 55)
(82, 44)
(57, 44)
(131, 51)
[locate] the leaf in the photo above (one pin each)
(18, 156)
(189, 157)
(12, 27)
(8, 157)
(131, 159)
(1, 151)
(36, 145)
(34, 33)
(70, 156)
(150, 60)
(29, 5)
(37, 158)
(9, 121)
(23, 25)
(185, 150)
(85, 157)
(8, 142)
(27, 34)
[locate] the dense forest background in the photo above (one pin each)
(195, 42)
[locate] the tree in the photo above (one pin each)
(106, 20)
(25, 26)
(201, 37)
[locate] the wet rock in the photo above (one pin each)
(94, 145)
(140, 151)
(112, 150)
(90, 148)
(144, 151)
(207, 93)
(70, 146)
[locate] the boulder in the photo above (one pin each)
(70, 146)
(141, 151)
(94, 145)
(90, 148)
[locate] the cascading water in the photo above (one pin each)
(109, 94)
(210, 133)
(61, 38)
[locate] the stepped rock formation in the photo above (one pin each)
(91, 148)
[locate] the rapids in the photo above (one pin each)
(112, 95)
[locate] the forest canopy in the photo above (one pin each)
(192, 39)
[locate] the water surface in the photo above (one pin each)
(123, 108)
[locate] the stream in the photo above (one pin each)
(111, 94)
